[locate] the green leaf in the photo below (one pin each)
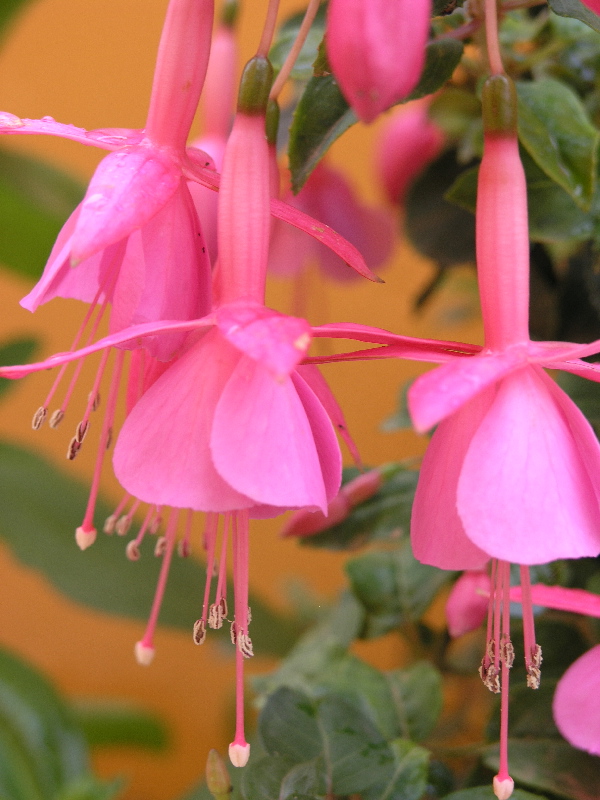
(91, 788)
(437, 228)
(322, 114)
(8, 9)
(119, 724)
(385, 515)
(394, 588)
(285, 38)
(17, 351)
(417, 698)
(408, 778)
(262, 779)
(41, 748)
(304, 780)
(551, 766)
(577, 10)
(486, 793)
(35, 201)
(317, 649)
(355, 755)
(42, 507)
(554, 128)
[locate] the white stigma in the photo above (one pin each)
(503, 788)
(85, 538)
(240, 753)
(143, 654)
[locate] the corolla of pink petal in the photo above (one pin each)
(502, 420)
(328, 196)
(376, 49)
(576, 705)
(467, 603)
(409, 141)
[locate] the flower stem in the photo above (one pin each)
(491, 35)
(269, 29)
(288, 64)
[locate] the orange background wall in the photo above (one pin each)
(90, 62)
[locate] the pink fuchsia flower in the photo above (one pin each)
(328, 196)
(467, 603)
(513, 463)
(409, 141)
(136, 238)
(593, 5)
(376, 49)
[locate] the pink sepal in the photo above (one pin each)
(376, 49)
(467, 603)
(128, 188)
(576, 704)
(108, 139)
(577, 601)
(437, 394)
(275, 340)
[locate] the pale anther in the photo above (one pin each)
(199, 632)
(132, 551)
(161, 546)
(123, 525)
(81, 430)
(73, 448)
(39, 418)
(56, 418)
(109, 524)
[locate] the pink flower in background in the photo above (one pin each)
(376, 49)
(407, 144)
(327, 196)
(593, 5)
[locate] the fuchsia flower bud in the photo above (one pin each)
(376, 49)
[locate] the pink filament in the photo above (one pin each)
(147, 640)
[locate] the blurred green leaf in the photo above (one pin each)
(8, 10)
(322, 114)
(576, 9)
(285, 38)
(313, 654)
(555, 129)
(42, 507)
(262, 778)
(35, 201)
(41, 748)
(90, 788)
(385, 515)
(393, 587)
(408, 778)
(17, 351)
(417, 698)
(551, 766)
(119, 724)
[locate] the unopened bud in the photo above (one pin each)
(239, 754)
(499, 105)
(503, 788)
(255, 86)
(217, 777)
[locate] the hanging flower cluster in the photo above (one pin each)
(225, 411)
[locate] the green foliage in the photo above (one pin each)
(322, 114)
(43, 507)
(577, 10)
(35, 201)
(43, 754)
(394, 588)
(8, 10)
(286, 36)
(111, 724)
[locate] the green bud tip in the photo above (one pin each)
(272, 126)
(499, 105)
(217, 776)
(255, 86)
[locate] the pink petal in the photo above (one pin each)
(162, 455)
(263, 443)
(577, 601)
(576, 704)
(467, 604)
(165, 274)
(377, 50)
(525, 492)
(439, 393)
(314, 378)
(128, 188)
(437, 533)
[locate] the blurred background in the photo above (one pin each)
(90, 63)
